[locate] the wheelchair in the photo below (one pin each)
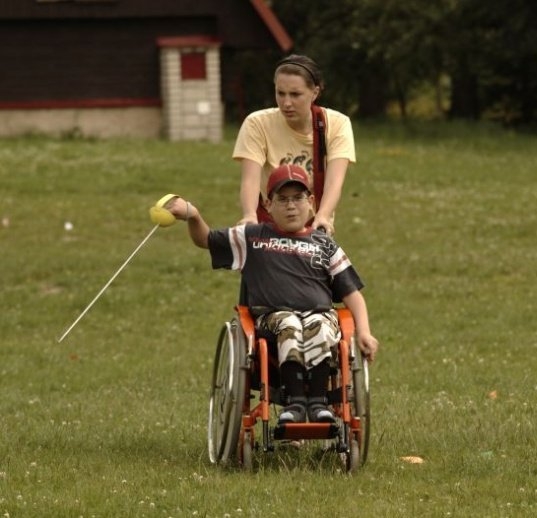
(245, 386)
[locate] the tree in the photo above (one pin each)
(375, 51)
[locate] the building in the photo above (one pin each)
(145, 68)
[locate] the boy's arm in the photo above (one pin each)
(197, 228)
(368, 344)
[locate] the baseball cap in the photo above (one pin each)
(285, 174)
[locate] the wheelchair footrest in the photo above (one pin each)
(297, 431)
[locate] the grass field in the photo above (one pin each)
(439, 220)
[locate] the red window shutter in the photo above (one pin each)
(193, 65)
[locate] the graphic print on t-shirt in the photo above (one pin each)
(319, 252)
(304, 160)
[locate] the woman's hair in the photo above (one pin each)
(302, 66)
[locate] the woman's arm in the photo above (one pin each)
(333, 185)
(249, 190)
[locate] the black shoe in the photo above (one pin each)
(318, 411)
(295, 412)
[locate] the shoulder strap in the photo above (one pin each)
(319, 152)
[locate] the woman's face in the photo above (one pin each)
(294, 98)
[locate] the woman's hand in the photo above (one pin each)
(321, 222)
(248, 220)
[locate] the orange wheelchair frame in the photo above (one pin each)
(243, 364)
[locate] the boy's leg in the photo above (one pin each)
(321, 335)
(292, 376)
(288, 330)
(318, 380)
(317, 402)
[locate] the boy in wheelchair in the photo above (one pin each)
(294, 274)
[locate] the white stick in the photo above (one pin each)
(109, 282)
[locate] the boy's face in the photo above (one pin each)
(291, 207)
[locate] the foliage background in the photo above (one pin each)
(473, 60)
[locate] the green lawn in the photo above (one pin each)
(440, 221)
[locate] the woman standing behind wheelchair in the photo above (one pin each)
(286, 134)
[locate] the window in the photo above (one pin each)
(193, 65)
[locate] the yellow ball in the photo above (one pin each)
(161, 216)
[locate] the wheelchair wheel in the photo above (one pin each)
(245, 453)
(361, 404)
(352, 456)
(227, 393)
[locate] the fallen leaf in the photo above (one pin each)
(413, 459)
(493, 394)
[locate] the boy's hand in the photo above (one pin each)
(169, 209)
(369, 346)
(160, 213)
